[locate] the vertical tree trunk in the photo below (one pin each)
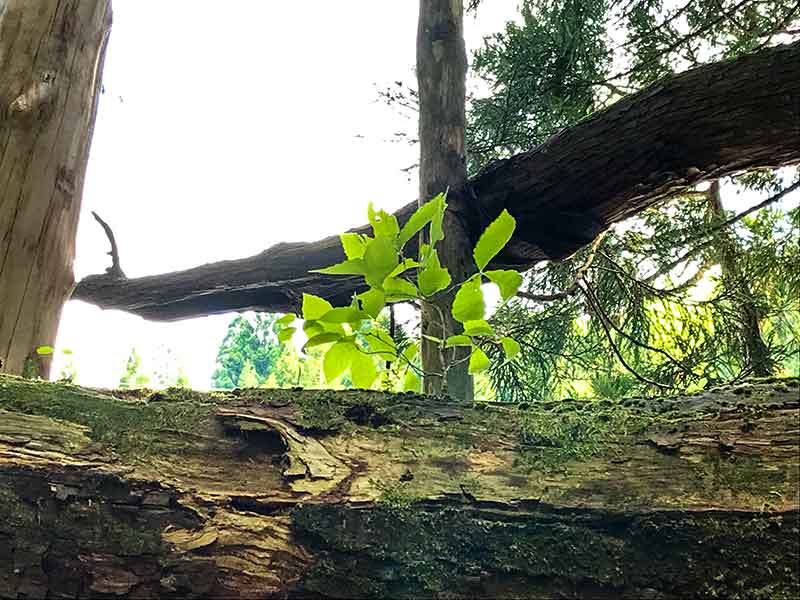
(756, 353)
(441, 77)
(51, 60)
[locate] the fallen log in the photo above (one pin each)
(351, 494)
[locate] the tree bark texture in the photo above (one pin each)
(758, 361)
(306, 493)
(51, 61)
(441, 78)
(702, 124)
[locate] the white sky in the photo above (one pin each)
(223, 131)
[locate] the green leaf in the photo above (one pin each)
(405, 265)
(380, 342)
(338, 359)
(433, 278)
(344, 314)
(44, 350)
(372, 301)
(286, 319)
(410, 351)
(363, 370)
(508, 282)
(479, 327)
(322, 338)
(354, 244)
(510, 346)
(432, 338)
(380, 259)
(284, 335)
(478, 361)
(355, 266)
(383, 224)
(493, 239)
(314, 307)
(468, 305)
(398, 289)
(436, 231)
(312, 328)
(412, 382)
(458, 340)
(66, 351)
(421, 217)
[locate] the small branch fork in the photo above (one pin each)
(115, 270)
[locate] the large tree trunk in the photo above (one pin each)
(703, 124)
(441, 77)
(758, 360)
(276, 493)
(51, 60)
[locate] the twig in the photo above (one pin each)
(114, 270)
(579, 275)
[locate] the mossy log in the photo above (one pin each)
(302, 493)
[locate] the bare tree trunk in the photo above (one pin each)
(441, 76)
(756, 352)
(51, 60)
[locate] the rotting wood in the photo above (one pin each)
(308, 493)
(703, 124)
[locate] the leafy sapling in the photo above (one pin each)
(356, 341)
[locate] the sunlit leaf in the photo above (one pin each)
(458, 340)
(493, 239)
(422, 216)
(284, 335)
(326, 337)
(344, 314)
(510, 346)
(381, 343)
(398, 289)
(380, 259)
(354, 244)
(338, 359)
(44, 350)
(479, 327)
(363, 370)
(314, 307)
(412, 382)
(355, 266)
(508, 281)
(383, 224)
(468, 305)
(478, 361)
(372, 302)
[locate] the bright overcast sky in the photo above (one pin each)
(226, 128)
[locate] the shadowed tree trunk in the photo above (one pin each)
(51, 60)
(441, 77)
(748, 313)
(320, 494)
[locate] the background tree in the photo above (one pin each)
(250, 347)
(622, 304)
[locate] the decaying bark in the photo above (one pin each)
(288, 493)
(703, 124)
(441, 78)
(51, 60)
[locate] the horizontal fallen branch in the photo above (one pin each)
(703, 124)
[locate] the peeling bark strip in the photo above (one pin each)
(441, 78)
(285, 493)
(51, 60)
(702, 124)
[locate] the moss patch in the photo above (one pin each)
(133, 428)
